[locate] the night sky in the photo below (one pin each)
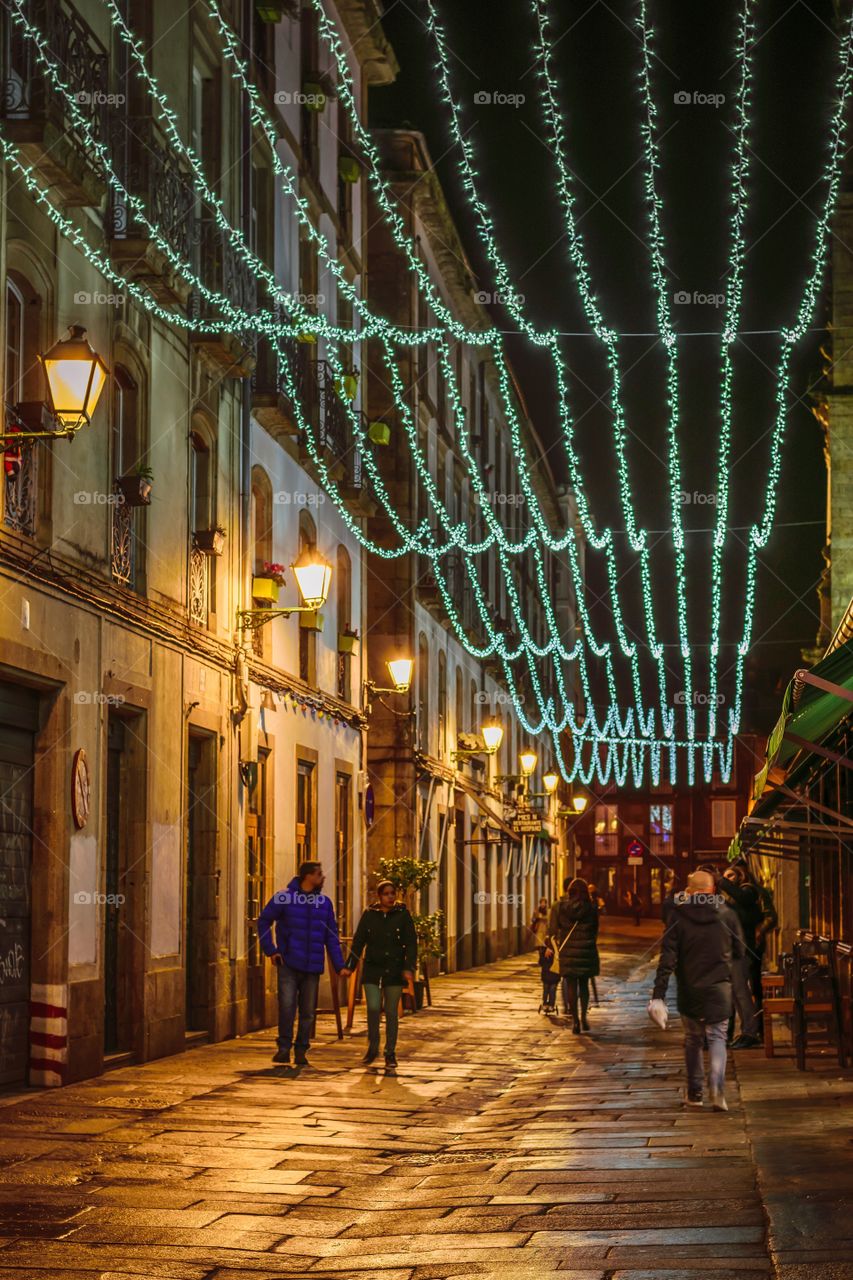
(597, 61)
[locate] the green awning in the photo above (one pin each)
(813, 713)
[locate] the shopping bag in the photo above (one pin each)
(658, 1013)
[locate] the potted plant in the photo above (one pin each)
(428, 930)
(307, 336)
(136, 487)
(311, 620)
(314, 96)
(348, 640)
(210, 542)
(266, 585)
(349, 170)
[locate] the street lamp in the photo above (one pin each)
(313, 575)
(75, 376)
(550, 782)
(492, 734)
(527, 761)
(579, 802)
(400, 670)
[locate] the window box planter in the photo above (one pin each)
(349, 170)
(347, 643)
(379, 432)
(312, 620)
(210, 542)
(135, 489)
(265, 590)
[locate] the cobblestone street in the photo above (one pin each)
(504, 1147)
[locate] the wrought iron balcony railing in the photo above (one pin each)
(36, 114)
(149, 169)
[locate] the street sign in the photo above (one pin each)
(635, 853)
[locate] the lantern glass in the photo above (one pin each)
(313, 575)
(76, 376)
(579, 803)
(493, 735)
(400, 670)
(550, 782)
(527, 760)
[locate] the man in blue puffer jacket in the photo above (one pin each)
(305, 929)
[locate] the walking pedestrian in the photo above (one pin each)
(297, 928)
(573, 934)
(745, 900)
(539, 931)
(637, 905)
(702, 945)
(386, 935)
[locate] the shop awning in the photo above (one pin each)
(815, 703)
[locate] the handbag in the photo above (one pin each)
(555, 958)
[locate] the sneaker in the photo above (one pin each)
(282, 1057)
(585, 1024)
(390, 1060)
(370, 1056)
(746, 1042)
(694, 1097)
(301, 1060)
(576, 1028)
(718, 1100)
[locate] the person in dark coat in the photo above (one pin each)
(386, 935)
(702, 943)
(744, 899)
(573, 934)
(297, 928)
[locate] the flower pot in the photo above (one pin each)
(312, 620)
(347, 644)
(265, 589)
(349, 170)
(135, 490)
(210, 542)
(269, 11)
(308, 337)
(379, 432)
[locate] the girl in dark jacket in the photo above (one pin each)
(386, 935)
(573, 930)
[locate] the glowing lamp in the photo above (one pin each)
(75, 375)
(579, 802)
(400, 670)
(313, 575)
(493, 736)
(550, 782)
(527, 760)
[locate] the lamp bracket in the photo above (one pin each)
(254, 619)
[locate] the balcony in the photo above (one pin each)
(222, 271)
(20, 498)
(270, 403)
(149, 170)
(35, 115)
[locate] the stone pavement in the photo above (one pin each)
(505, 1147)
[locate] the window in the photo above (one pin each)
(723, 819)
(344, 592)
(202, 520)
(660, 830)
(201, 496)
(460, 702)
(309, 59)
(307, 636)
(343, 852)
(261, 526)
(125, 433)
(442, 703)
(13, 388)
(306, 826)
(423, 693)
(606, 830)
(345, 189)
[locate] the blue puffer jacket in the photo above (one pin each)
(305, 929)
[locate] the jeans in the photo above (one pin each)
(695, 1031)
(297, 990)
(373, 999)
(744, 1003)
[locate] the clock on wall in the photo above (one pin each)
(81, 789)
